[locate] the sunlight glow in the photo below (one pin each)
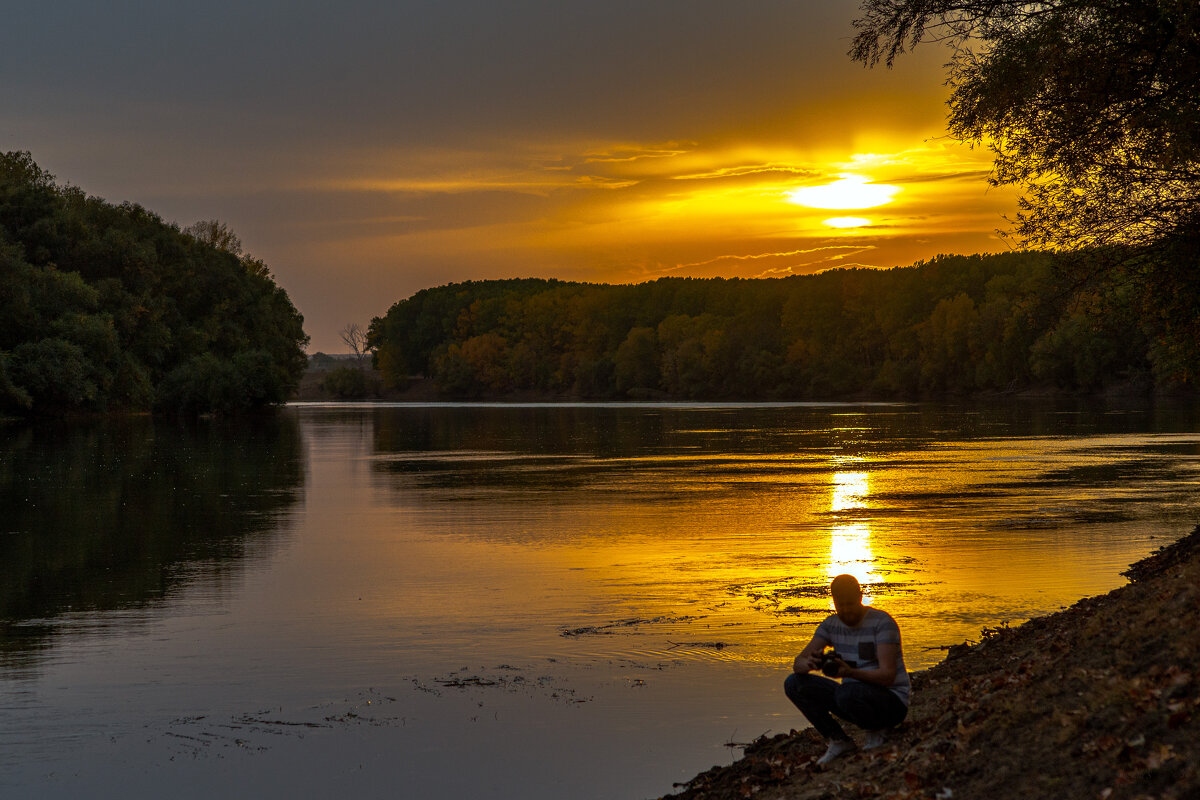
(850, 551)
(656, 208)
(852, 191)
(850, 490)
(846, 222)
(850, 543)
(850, 547)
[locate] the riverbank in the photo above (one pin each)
(425, 390)
(1101, 700)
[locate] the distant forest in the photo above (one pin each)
(951, 325)
(108, 307)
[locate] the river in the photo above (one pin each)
(519, 601)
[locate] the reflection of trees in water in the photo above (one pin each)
(552, 430)
(524, 449)
(116, 514)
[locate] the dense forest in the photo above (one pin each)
(108, 307)
(951, 325)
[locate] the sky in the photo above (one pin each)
(368, 150)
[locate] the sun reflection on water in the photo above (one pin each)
(850, 541)
(850, 491)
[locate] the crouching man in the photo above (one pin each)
(874, 689)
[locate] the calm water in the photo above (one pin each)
(579, 601)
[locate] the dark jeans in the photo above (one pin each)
(866, 705)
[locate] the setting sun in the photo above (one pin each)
(852, 191)
(846, 222)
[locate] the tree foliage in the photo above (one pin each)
(1092, 107)
(217, 234)
(107, 306)
(348, 383)
(954, 324)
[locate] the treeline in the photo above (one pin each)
(954, 324)
(107, 307)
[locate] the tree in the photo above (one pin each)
(950, 345)
(637, 361)
(355, 337)
(216, 234)
(53, 373)
(345, 383)
(1092, 107)
(107, 306)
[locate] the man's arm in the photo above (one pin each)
(883, 675)
(804, 662)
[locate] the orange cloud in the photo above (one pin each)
(627, 211)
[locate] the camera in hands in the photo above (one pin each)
(827, 662)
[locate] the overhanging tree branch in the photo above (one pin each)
(1091, 108)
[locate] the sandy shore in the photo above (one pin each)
(1101, 700)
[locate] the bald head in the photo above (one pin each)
(845, 587)
(847, 599)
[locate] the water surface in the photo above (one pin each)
(534, 601)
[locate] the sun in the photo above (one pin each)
(846, 222)
(852, 191)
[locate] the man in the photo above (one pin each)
(874, 691)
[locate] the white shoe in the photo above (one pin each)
(875, 739)
(837, 748)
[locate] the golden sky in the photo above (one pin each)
(369, 150)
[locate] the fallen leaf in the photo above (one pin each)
(1159, 757)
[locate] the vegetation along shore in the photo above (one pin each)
(1101, 700)
(956, 325)
(108, 307)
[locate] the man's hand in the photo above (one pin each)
(807, 660)
(804, 663)
(843, 669)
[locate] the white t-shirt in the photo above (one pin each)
(858, 645)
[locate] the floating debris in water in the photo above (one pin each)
(612, 627)
(706, 645)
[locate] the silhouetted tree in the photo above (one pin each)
(957, 324)
(108, 306)
(1091, 106)
(355, 337)
(215, 234)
